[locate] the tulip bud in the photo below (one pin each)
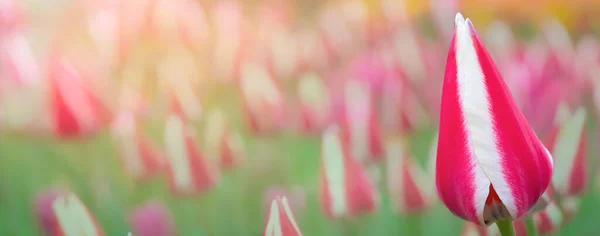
(263, 99)
(152, 219)
(485, 144)
(73, 218)
(139, 155)
(75, 109)
(346, 190)
(189, 171)
(221, 142)
(178, 71)
(548, 220)
(44, 210)
(281, 220)
(359, 123)
(410, 185)
(567, 144)
(315, 104)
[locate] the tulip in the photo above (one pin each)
(222, 143)
(181, 21)
(359, 123)
(44, 210)
(74, 108)
(548, 219)
(490, 164)
(315, 103)
(567, 144)
(281, 220)
(409, 185)
(400, 110)
(189, 171)
(21, 96)
(152, 219)
(346, 191)
(178, 72)
(139, 155)
(18, 65)
(73, 218)
(263, 99)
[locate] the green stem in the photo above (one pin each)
(506, 227)
(530, 226)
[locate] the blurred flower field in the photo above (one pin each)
(197, 117)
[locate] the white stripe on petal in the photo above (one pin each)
(288, 212)
(565, 149)
(333, 161)
(274, 223)
(358, 100)
(474, 102)
(177, 154)
(73, 217)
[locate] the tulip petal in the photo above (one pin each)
(281, 221)
(74, 218)
(549, 219)
(486, 146)
(346, 189)
(189, 171)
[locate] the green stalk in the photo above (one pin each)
(530, 226)
(506, 227)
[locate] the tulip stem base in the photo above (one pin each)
(530, 226)
(506, 227)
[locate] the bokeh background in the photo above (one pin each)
(81, 82)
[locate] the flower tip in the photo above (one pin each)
(458, 19)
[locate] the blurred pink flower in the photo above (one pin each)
(75, 110)
(315, 103)
(189, 171)
(281, 221)
(62, 213)
(140, 157)
(263, 99)
(152, 218)
(567, 143)
(548, 220)
(45, 212)
(410, 186)
(345, 188)
(359, 122)
(222, 143)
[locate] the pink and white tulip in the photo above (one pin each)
(189, 171)
(231, 37)
(140, 157)
(263, 99)
(221, 142)
(567, 143)
(179, 73)
(410, 185)
(490, 163)
(73, 218)
(315, 103)
(549, 219)
(345, 188)
(74, 108)
(281, 221)
(359, 122)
